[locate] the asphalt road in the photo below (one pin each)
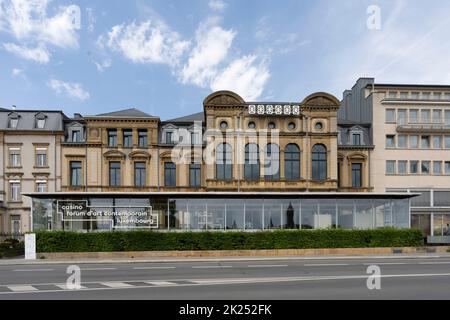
(272, 279)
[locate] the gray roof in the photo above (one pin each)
(127, 113)
(27, 120)
(190, 118)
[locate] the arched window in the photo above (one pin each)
(292, 162)
(224, 166)
(319, 162)
(272, 162)
(251, 167)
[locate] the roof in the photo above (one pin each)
(27, 120)
(346, 123)
(127, 113)
(190, 118)
(425, 86)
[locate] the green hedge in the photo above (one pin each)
(11, 249)
(174, 241)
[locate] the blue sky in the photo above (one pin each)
(164, 57)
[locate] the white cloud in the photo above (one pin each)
(73, 90)
(103, 65)
(212, 46)
(91, 19)
(16, 72)
(244, 76)
(29, 23)
(39, 54)
(147, 42)
(217, 5)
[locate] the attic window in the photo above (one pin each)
(13, 122)
(40, 121)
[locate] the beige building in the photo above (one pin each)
(411, 132)
(30, 152)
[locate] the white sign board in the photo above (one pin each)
(30, 246)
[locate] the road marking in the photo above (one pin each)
(385, 264)
(153, 268)
(327, 265)
(98, 269)
(211, 267)
(64, 287)
(160, 283)
(22, 288)
(33, 270)
(268, 266)
(434, 263)
(117, 284)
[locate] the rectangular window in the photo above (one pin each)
(437, 168)
(142, 137)
(426, 95)
(75, 173)
(401, 117)
(390, 167)
(403, 95)
(169, 137)
(170, 174)
(447, 117)
(114, 174)
(195, 138)
(40, 123)
(414, 167)
(356, 175)
(447, 142)
(426, 116)
(392, 95)
(413, 116)
(76, 136)
(426, 167)
(446, 96)
(14, 188)
(14, 157)
(13, 122)
(402, 141)
(195, 175)
(127, 138)
(415, 95)
(402, 167)
(390, 115)
(390, 141)
(425, 142)
(356, 139)
(140, 174)
(112, 138)
(41, 187)
(437, 142)
(413, 142)
(41, 157)
(437, 95)
(437, 116)
(447, 167)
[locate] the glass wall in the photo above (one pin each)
(163, 213)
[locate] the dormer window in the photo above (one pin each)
(356, 137)
(13, 121)
(40, 121)
(76, 136)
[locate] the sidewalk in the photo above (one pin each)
(22, 261)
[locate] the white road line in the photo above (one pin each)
(98, 269)
(434, 263)
(33, 270)
(385, 264)
(327, 265)
(153, 268)
(211, 267)
(22, 288)
(268, 266)
(160, 283)
(64, 287)
(117, 284)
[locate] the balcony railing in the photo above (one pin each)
(423, 127)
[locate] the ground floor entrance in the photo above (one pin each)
(93, 212)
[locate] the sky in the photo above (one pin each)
(165, 57)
